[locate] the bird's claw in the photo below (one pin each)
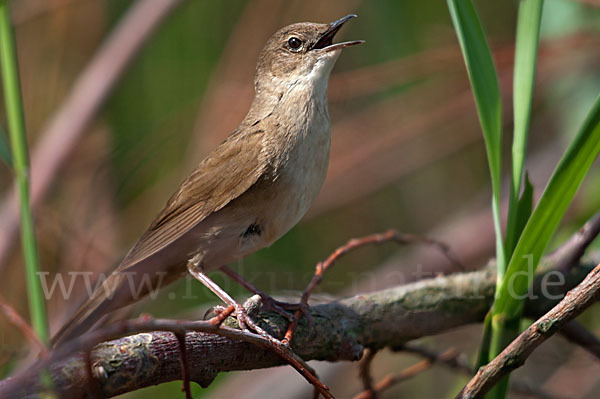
(244, 321)
(239, 312)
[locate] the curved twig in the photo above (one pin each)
(569, 253)
(455, 361)
(16, 320)
(355, 243)
(409, 372)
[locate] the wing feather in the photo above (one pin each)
(229, 171)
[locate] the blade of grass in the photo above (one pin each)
(526, 46)
(524, 206)
(484, 81)
(540, 228)
(486, 336)
(18, 143)
(557, 196)
(519, 208)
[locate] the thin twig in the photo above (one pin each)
(455, 362)
(581, 336)
(569, 253)
(365, 374)
(409, 372)
(355, 243)
(515, 354)
(16, 320)
(461, 364)
(185, 373)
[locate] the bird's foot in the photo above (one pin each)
(245, 322)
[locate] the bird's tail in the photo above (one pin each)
(123, 287)
(91, 311)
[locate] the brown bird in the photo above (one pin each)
(250, 190)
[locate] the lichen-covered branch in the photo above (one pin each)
(341, 330)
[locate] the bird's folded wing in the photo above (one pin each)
(229, 171)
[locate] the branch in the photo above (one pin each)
(449, 356)
(515, 354)
(581, 336)
(355, 243)
(365, 374)
(569, 253)
(460, 364)
(18, 321)
(453, 360)
(342, 329)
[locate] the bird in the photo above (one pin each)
(249, 191)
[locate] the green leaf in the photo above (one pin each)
(528, 32)
(538, 231)
(519, 209)
(540, 228)
(484, 81)
(18, 144)
(524, 207)
(498, 335)
(486, 336)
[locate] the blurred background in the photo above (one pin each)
(407, 153)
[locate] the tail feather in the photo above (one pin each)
(115, 293)
(83, 320)
(91, 311)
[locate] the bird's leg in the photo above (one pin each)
(280, 348)
(268, 302)
(194, 267)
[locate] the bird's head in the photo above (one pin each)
(300, 54)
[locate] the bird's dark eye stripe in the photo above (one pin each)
(294, 43)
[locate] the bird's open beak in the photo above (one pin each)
(326, 41)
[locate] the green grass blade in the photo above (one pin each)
(538, 231)
(524, 206)
(484, 81)
(486, 336)
(528, 33)
(18, 143)
(519, 209)
(544, 220)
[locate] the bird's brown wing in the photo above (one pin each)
(229, 171)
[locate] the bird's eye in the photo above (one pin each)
(294, 43)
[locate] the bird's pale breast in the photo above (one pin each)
(269, 210)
